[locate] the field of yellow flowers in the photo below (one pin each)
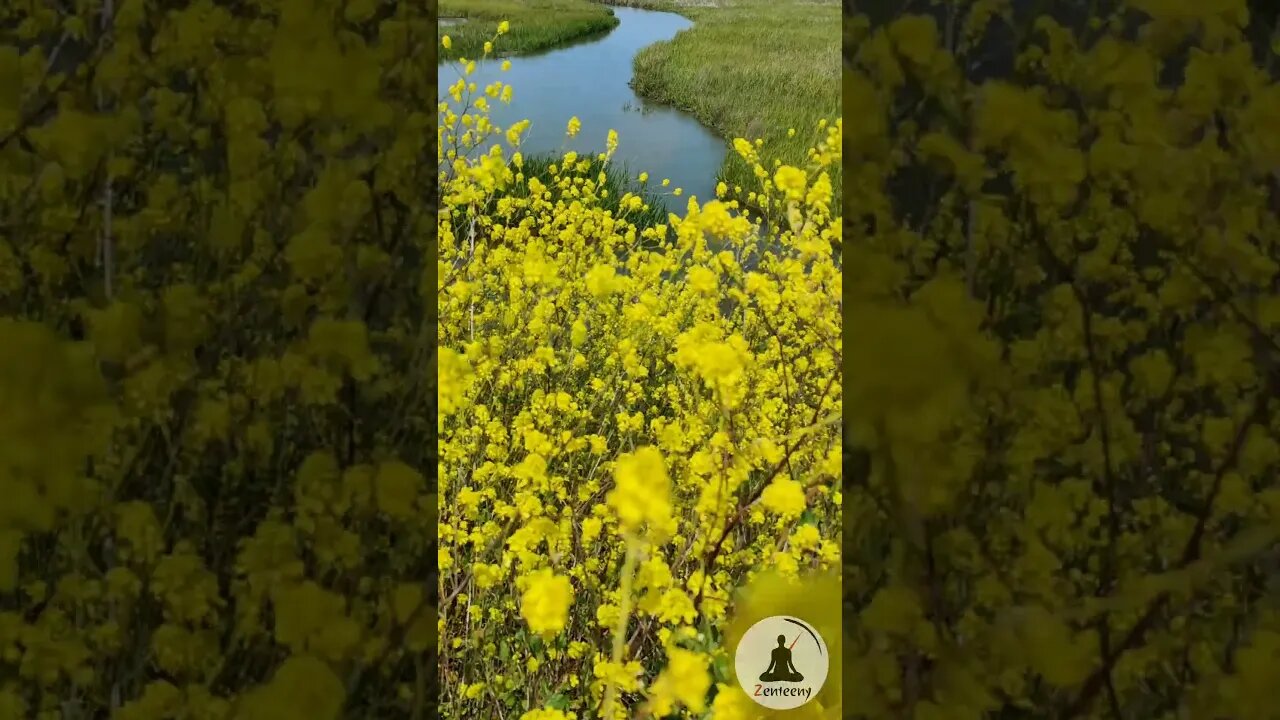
(637, 420)
(216, 441)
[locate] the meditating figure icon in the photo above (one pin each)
(781, 669)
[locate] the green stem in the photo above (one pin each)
(620, 631)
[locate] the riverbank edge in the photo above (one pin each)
(645, 90)
(469, 43)
(649, 89)
(648, 83)
(642, 89)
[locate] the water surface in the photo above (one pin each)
(591, 80)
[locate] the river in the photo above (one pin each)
(591, 79)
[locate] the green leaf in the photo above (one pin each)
(721, 669)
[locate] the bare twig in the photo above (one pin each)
(1191, 553)
(105, 245)
(712, 554)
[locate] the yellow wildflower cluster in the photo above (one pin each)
(215, 439)
(639, 416)
(1064, 288)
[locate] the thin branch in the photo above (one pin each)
(1191, 553)
(711, 556)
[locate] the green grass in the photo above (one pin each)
(619, 180)
(750, 68)
(747, 68)
(536, 25)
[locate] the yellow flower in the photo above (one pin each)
(684, 680)
(447, 42)
(721, 364)
(574, 126)
(396, 488)
(703, 280)
(578, 333)
(792, 181)
(590, 530)
(805, 537)
(453, 379)
(785, 497)
(506, 65)
(545, 603)
(486, 576)
(623, 675)
(819, 195)
(601, 281)
(732, 703)
(675, 607)
(642, 491)
(744, 149)
(504, 27)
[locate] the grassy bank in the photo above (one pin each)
(535, 24)
(619, 180)
(749, 68)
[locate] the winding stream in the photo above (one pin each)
(591, 79)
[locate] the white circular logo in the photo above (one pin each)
(781, 662)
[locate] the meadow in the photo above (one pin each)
(536, 24)
(753, 68)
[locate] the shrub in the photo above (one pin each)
(636, 422)
(1062, 246)
(216, 436)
